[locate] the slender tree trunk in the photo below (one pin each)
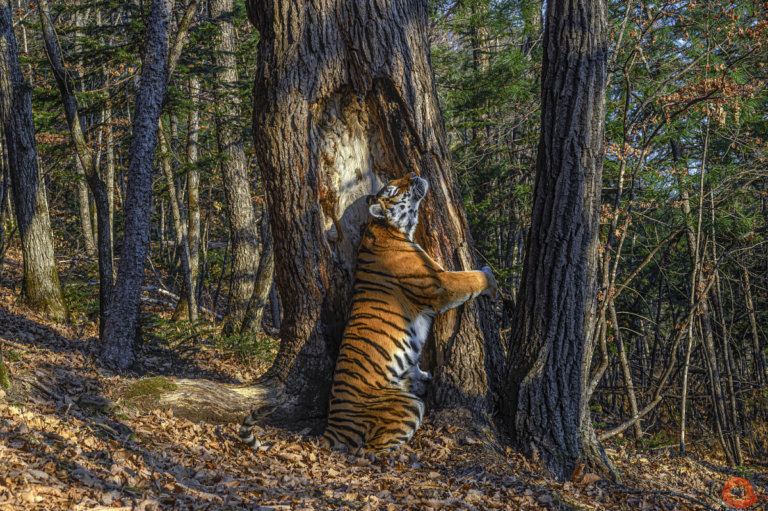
(546, 387)
(760, 367)
(626, 371)
(193, 197)
(5, 206)
(42, 290)
(234, 170)
(83, 202)
(121, 328)
(179, 228)
(344, 100)
(264, 278)
(87, 161)
(83, 199)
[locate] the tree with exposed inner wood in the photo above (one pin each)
(344, 102)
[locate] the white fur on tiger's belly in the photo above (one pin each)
(418, 331)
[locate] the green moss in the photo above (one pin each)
(5, 381)
(149, 387)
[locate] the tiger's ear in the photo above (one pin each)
(376, 210)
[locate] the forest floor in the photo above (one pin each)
(66, 444)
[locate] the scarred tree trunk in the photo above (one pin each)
(344, 101)
(122, 321)
(42, 290)
(546, 405)
(234, 170)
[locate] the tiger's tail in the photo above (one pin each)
(255, 417)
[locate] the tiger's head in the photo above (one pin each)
(397, 203)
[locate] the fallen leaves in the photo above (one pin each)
(70, 447)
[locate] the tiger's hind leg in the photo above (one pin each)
(397, 419)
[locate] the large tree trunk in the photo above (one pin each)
(344, 101)
(42, 290)
(234, 170)
(122, 322)
(546, 406)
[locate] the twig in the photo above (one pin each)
(172, 296)
(16, 345)
(37, 384)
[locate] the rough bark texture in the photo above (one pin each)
(42, 290)
(234, 170)
(552, 342)
(122, 321)
(344, 102)
(86, 164)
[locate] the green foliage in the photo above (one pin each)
(83, 300)
(250, 346)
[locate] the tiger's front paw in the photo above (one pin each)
(493, 287)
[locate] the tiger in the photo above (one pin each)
(376, 396)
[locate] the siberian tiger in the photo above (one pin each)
(375, 399)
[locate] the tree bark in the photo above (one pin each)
(234, 170)
(122, 321)
(83, 203)
(546, 387)
(83, 199)
(344, 101)
(179, 228)
(193, 198)
(264, 278)
(87, 163)
(759, 364)
(42, 290)
(5, 206)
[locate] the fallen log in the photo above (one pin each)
(200, 400)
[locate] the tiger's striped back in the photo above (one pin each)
(375, 401)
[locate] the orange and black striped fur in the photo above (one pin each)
(375, 403)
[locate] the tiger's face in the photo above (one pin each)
(398, 201)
